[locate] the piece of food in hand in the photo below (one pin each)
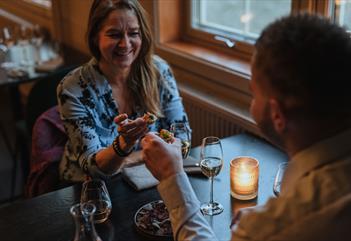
(119, 129)
(167, 136)
(149, 118)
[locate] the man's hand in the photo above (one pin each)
(240, 213)
(162, 159)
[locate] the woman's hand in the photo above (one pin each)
(130, 130)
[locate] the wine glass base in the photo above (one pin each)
(211, 209)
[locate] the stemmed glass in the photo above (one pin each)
(24, 41)
(211, 164)
(95, 191)
(181, 131)
(37, 42)
(278, 178)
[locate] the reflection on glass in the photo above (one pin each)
(181, 131)
(278, 178)
(83, 218)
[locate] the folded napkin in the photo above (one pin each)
(139, 177)
(192, 165)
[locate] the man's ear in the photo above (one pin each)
(277, 116)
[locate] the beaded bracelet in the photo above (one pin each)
(117, 148)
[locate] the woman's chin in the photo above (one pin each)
(122, 63)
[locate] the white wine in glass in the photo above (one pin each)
(211, 164)
(94, 191)
(211, 167)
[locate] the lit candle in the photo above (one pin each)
(244, 178)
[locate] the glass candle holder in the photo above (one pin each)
(244, 178)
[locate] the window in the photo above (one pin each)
(234, 23)
(239, 19)
(341, 13)
(209, 67)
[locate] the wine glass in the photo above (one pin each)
(95, 191)
(24, 42)
(211, 164)
(182, 132)
(278, 178)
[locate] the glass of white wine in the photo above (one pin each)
(211, 164)
(94, 191)
(182, 132)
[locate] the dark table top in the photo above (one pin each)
(47, 217)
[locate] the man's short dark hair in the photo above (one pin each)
(307, 58)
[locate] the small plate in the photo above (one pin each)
(152, 219)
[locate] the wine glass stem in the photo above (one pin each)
(211, 191)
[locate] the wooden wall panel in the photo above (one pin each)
(29, 12)
(70, 20)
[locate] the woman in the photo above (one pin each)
(102, 102)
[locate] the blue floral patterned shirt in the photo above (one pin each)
(88, 109)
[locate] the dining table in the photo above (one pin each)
(47, 217)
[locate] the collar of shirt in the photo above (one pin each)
(315, 156)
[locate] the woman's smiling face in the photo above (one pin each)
(119, 39)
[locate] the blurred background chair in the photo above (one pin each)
(48, 141)
(41, 97)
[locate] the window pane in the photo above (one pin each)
(342, 13)
(244, 18)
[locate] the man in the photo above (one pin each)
(300, 70)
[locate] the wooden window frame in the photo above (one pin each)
(208, 70)
(177, 42)
(206, 60)
(241, 49)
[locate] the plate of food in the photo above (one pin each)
(152, 220)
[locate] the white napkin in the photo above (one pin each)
(139, 177)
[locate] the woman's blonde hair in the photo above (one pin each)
(143, 79)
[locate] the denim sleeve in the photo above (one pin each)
(80, 127)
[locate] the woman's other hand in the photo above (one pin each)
(130, 130)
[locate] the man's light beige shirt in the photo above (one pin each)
(315, 201)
